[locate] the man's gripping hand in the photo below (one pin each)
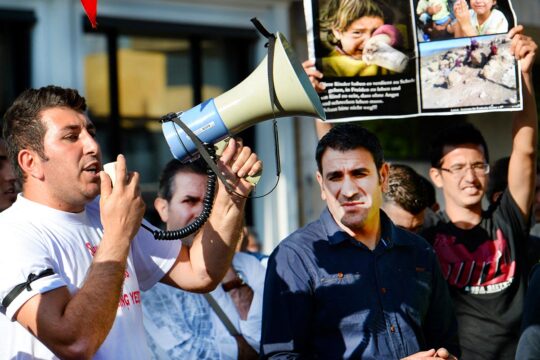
(122, 206)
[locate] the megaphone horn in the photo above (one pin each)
(248, 103)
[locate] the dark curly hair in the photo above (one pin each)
(407, 189)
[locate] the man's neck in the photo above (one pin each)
(464, 217)
(44, 198)
(369, 234)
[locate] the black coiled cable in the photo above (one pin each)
(208, 203)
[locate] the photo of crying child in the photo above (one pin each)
(360, 39)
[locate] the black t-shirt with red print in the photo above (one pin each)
(485, 269)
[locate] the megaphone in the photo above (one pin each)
(248, 103)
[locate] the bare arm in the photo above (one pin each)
(201, 267)
(76, 326)
(522, 166)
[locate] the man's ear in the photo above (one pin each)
(321, 185)
(435, 176)
(30, 164)
(383, 177)
(162, 207)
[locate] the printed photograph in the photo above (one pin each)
(363, 37)
(468, 72)
(448, 19)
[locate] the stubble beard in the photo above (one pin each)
(355, 221)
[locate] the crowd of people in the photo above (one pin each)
(383, 273)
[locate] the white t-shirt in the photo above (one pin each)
(182, 325)
(495, 24)
(35, 238)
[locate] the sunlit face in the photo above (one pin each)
(8, 191)
(354, 38)
(351, 187)
(187, 201)
(466, 190)
(482, 7)
(70, 172)
(402, 218)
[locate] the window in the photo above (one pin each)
(15, 27)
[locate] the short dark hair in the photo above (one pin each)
(23, 128)
(455, 135)
(344, 137)
(407, 189)
(172, 168)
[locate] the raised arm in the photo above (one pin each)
(201, 267)
(522, 166)
(75, 326)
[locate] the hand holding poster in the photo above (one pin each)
(384, 59)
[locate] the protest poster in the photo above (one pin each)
(389, 59)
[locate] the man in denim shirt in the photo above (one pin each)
(351, 284)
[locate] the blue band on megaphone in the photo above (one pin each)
(204, 120)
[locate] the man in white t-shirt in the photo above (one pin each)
(73, 264)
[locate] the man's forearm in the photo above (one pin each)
(78, 328)
(213, 247)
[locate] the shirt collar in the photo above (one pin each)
(391, 234)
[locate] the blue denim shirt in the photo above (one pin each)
(327, 296)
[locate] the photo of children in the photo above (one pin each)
(482, 18)
(434, 16)
(359, 39)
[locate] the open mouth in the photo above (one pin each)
(93, 168)
(471, 190)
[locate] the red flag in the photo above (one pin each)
(90, 6)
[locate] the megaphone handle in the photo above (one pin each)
(220, 147)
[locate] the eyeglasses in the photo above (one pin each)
(479, 169)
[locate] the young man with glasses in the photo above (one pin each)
(482, 252)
